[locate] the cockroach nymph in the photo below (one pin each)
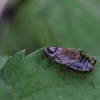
(77, 60)
(74, 59)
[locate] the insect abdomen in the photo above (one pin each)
(84, 63)
(82, 66)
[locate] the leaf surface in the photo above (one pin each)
(6, 92)
(32, 81)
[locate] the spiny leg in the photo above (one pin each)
(81, 76)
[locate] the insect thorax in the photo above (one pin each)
(51, 51)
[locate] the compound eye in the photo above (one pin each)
(52, 50)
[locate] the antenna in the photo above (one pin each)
(21, 41)
(44, 37)
(18, 39)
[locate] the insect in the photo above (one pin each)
(77, 60)
(74, 59)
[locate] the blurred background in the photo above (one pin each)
(66, 23)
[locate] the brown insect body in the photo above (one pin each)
(74, 59)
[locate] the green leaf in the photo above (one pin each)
(32, 81)
(6, 92)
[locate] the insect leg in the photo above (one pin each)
(81, 76)
(94, 62)
(44, 54)
(48, 64)
(62, 69)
